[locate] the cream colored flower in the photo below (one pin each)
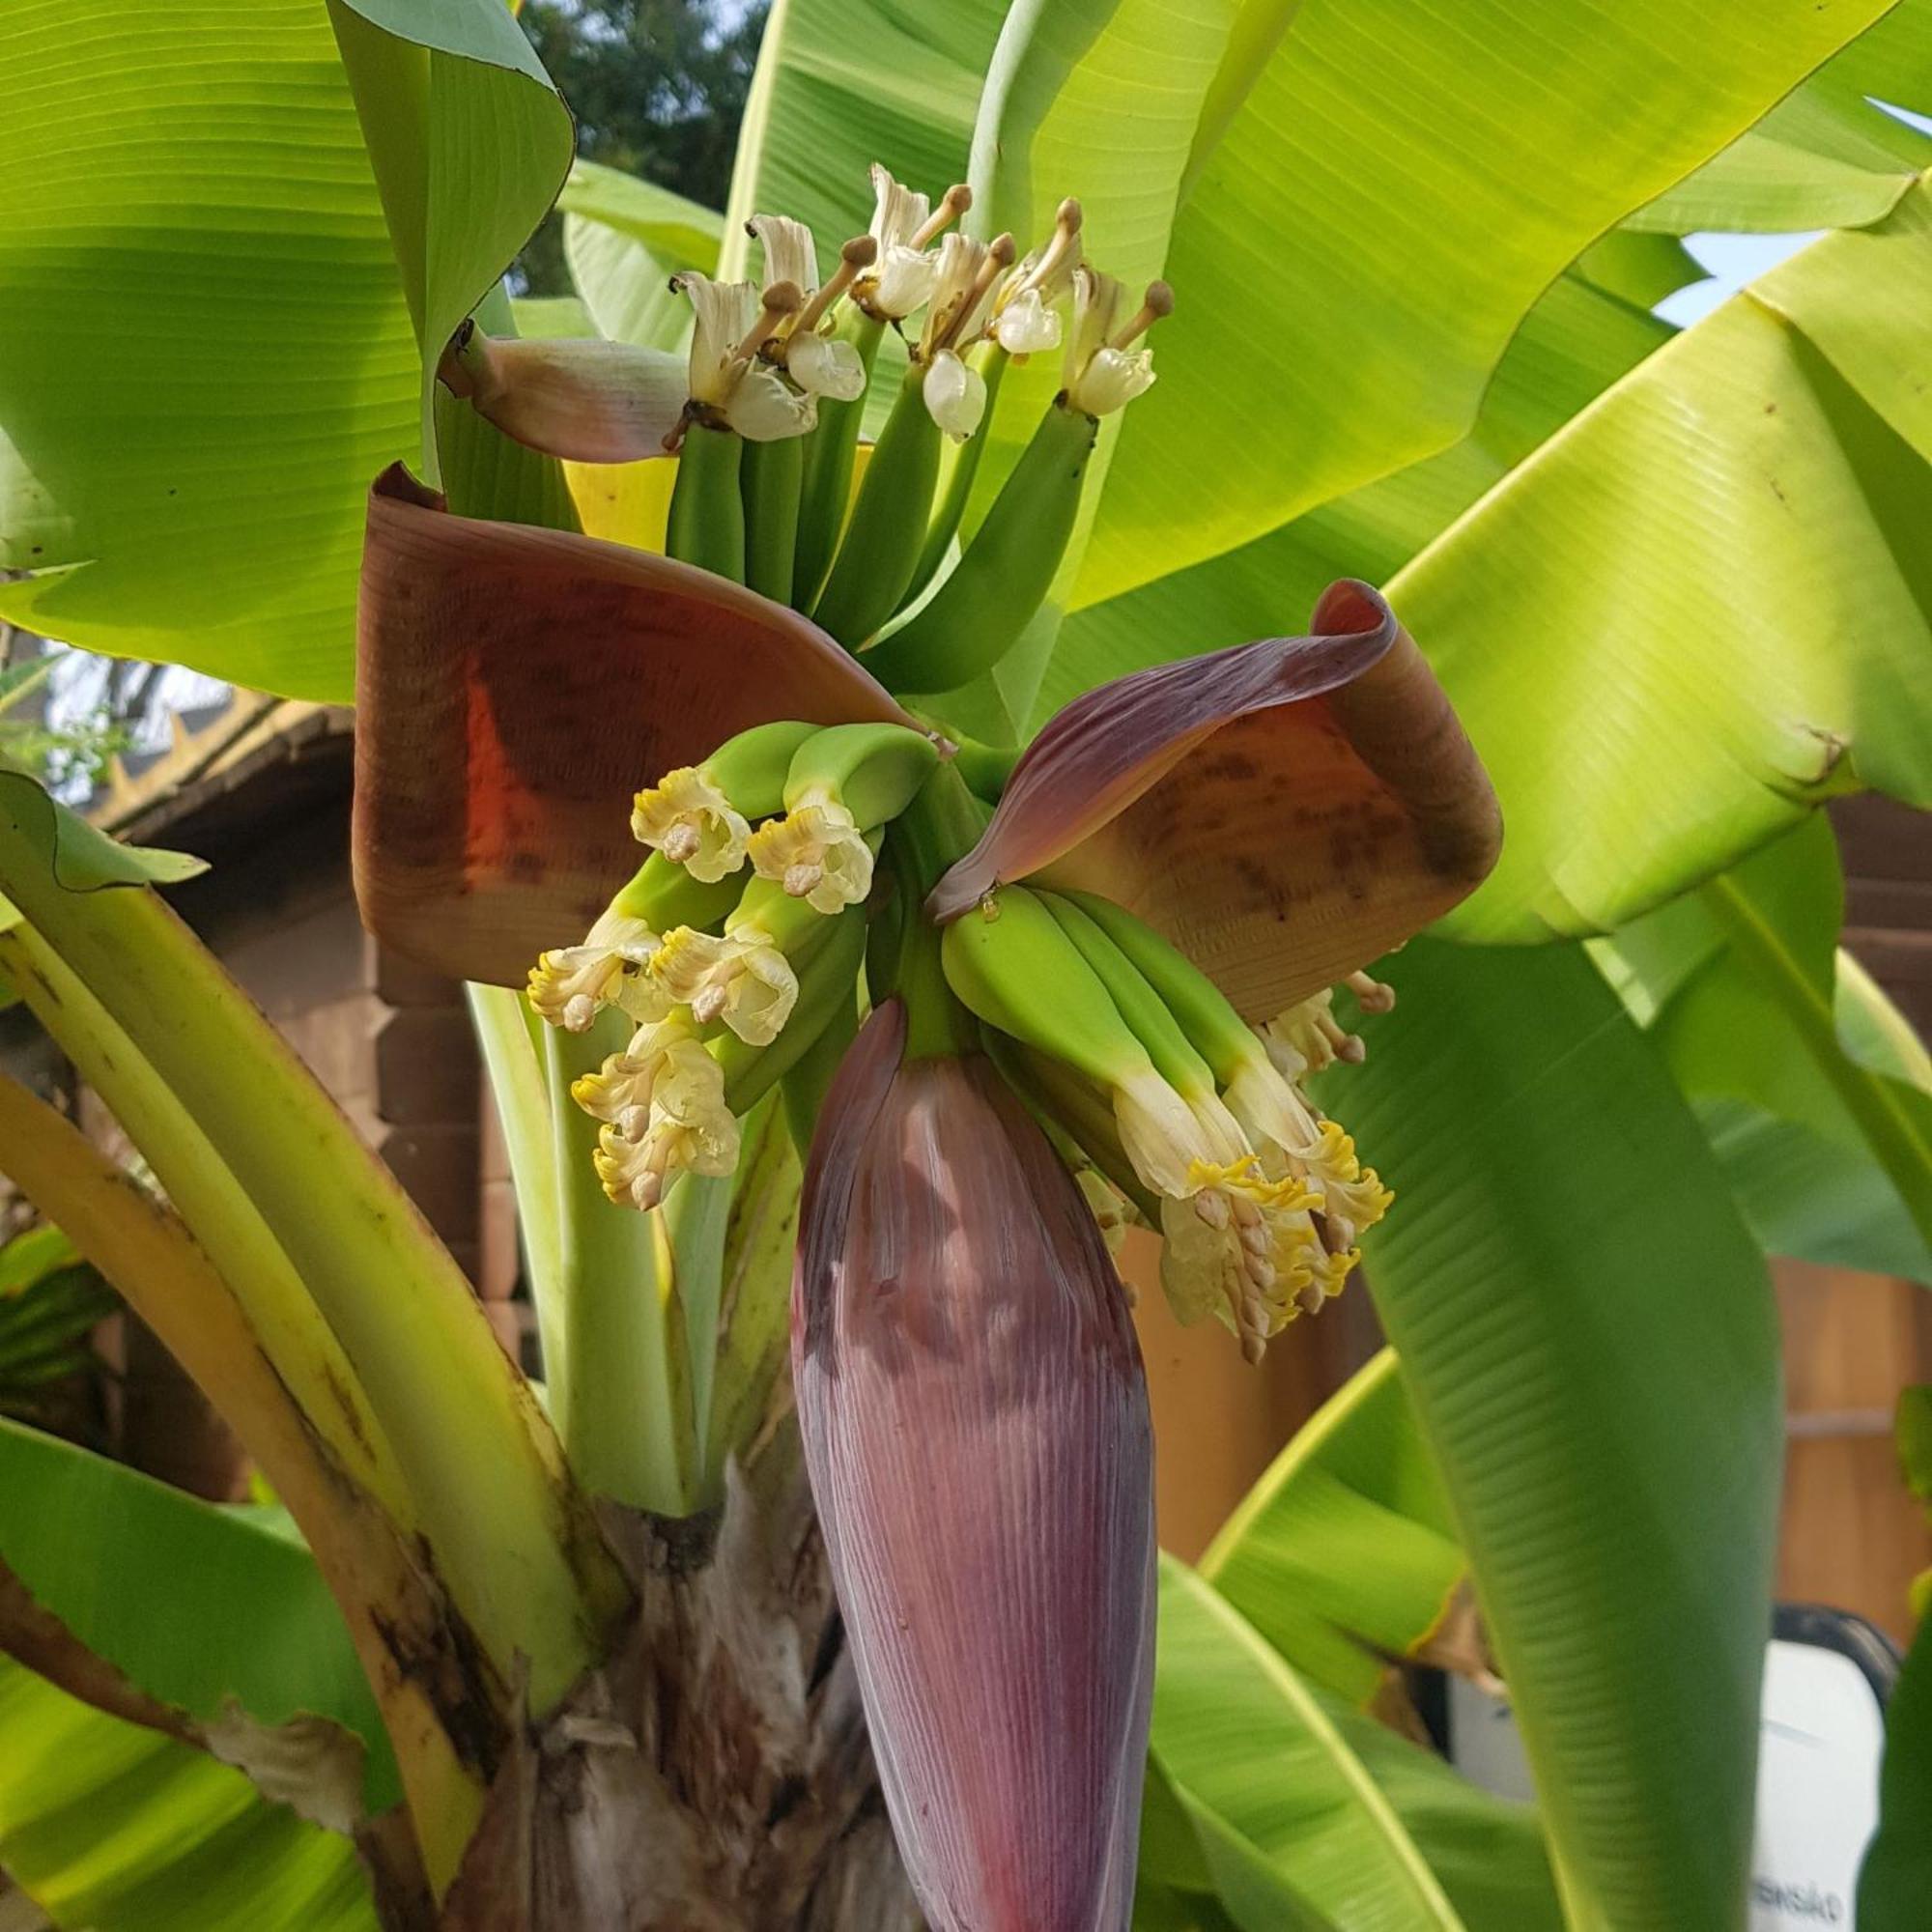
(686, 818)
(570, 984)
(727, 379)
(817, 853)
(1103, 371)
(1025, 320)
(676, 1123)
(741, 978)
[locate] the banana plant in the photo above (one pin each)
(820, 717)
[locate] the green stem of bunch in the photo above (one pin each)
(940, 827)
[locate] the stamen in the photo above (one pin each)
(1000, 253)
(953, 204)
(1157, 303)
(1063, 241)
(1372, 995)
(780, 300)
(861, 252)
(802, 879)
(681, 843)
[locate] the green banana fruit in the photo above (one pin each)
(706, 525)
(1065, 1100)
(664, 896)
(845, 784)
(751, 769)
(1137, 1001)
(1016, 969)
(826, 488)
(959, 467)
(769, 481)
(882, 543)
(700, 817)
(1218, 1033)
(872, 769)
(794, 925)
(976, 616)
(809, 1079)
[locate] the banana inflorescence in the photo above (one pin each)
(788, 872)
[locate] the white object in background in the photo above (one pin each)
(1819, 1745)
(1820, 1738)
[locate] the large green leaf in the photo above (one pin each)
(1302, 1804)
(1826, 156)
(1066, 80)
(1392, 190)
(197, 1605)
(1895, 1884)
(843, 83)
(1576, 341)
(624, 238)
(1344, 1555)
(469, 143)
(203, 355)
(1706, 602)
(1764, 1026)
(112, 1828)
(1588, 1337)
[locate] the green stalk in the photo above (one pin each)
(514, 1062)
(806, 1086)
(755, 1289)
(770, 478)
(372, 1563)
(298, 1344)
(939, 826)
(622, 1399)
(697, 1218)
(1890, 1131)
(515, 1545)
(826, 488)
(960, 469)
(707, 523)
(888, 527)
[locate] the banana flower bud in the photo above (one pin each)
(974, 1421)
